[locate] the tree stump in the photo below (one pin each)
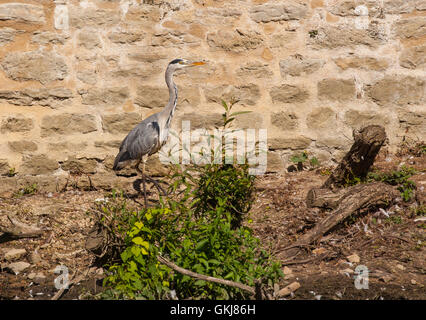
(346, 201)
(360, 157)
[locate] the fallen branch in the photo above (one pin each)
(253, 291)
(19, 230)
(352, 200)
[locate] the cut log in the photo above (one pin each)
(348, 201)
(360, 157)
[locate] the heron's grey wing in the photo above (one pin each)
(140, 141)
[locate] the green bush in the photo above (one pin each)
(198, 227)
(398, 178)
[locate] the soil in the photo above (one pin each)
(392, 248)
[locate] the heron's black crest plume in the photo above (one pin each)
(175, 61)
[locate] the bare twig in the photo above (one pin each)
(74, 280)
(195, 275)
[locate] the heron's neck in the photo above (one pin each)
(173, 96)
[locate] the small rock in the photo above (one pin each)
(34, 257)
(32, 275)
(413, 281)
(400, 267)
(17, 267)
(353, 258)
(319, 251)
(287, 270)
(39, 278)
(14, 254)
(289, 289)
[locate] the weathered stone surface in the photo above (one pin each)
(358, 119)
(413, 57)
(87, 76)
(287, 93)
(38, 164)
(157, 97)
(67, 123)
(4, 167)
(144, 14)
(136, 70)
(295, 143)
(289, 10)
(201, 121)
(104, 96)
(22, 146)
(320, 118)
(151, 97)
(336, 89)
(398, 6)
(126, 36)
(89, 39)
(17, 123)
(235, 41)
(51, 97)
(332, 37)
(252, 120)
(361, 62)
(81, 165)
(66, 147)
(42, 66)
(412, 28)
(92, 17)
(7, 35)
(120, 123)
(48, 37)
(285, 120)
(22, 12)
(274, 162)
(412, 121)
(421, 5)
(17, 267)
(298, 65)
(14, 254)
(254, 70)
(247, 94)
(173, 38)
(398, 90)
(282, 39)
(107, 145)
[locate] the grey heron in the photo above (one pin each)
(147, 137)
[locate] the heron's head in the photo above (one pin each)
(183, 63)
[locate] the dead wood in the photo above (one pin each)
(360, 157)
(256, 292)
(19, 230)
(349, 201)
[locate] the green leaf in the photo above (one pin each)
(141, 242)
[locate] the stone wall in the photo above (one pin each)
(76, 76)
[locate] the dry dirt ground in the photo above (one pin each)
(391, 248)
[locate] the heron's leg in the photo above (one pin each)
(143, 179)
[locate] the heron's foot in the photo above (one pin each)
(156, 183)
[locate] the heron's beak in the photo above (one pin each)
(198, 63)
